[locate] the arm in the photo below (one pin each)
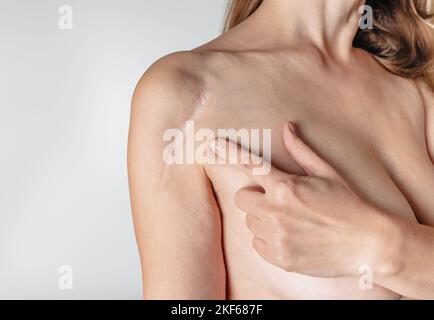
(413, 271)
(409, 270)
(176, 218)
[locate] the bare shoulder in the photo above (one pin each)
(172, 88)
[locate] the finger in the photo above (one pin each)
(262, 249)
(254, 166)
(255, 226)
(311, 163)
(250, 200)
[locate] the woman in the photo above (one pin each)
(359, 98)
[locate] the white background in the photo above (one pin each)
(64, 112)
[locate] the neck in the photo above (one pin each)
(329, 25)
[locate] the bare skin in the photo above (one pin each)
(315, 224)
(369, 124)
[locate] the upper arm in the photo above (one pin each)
(176, 217)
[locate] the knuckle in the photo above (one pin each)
(279, 241)
(275, 218)
(280, 238)
(282, 190)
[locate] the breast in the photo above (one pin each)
(366, 131)
(250, 277)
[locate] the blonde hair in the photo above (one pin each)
(402, 39)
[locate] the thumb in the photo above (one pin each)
(311, 163)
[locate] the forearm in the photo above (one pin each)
(406, 261)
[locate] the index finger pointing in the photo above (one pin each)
(260, 170)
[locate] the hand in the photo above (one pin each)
(314, 224)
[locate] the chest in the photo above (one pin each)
(372, 146)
